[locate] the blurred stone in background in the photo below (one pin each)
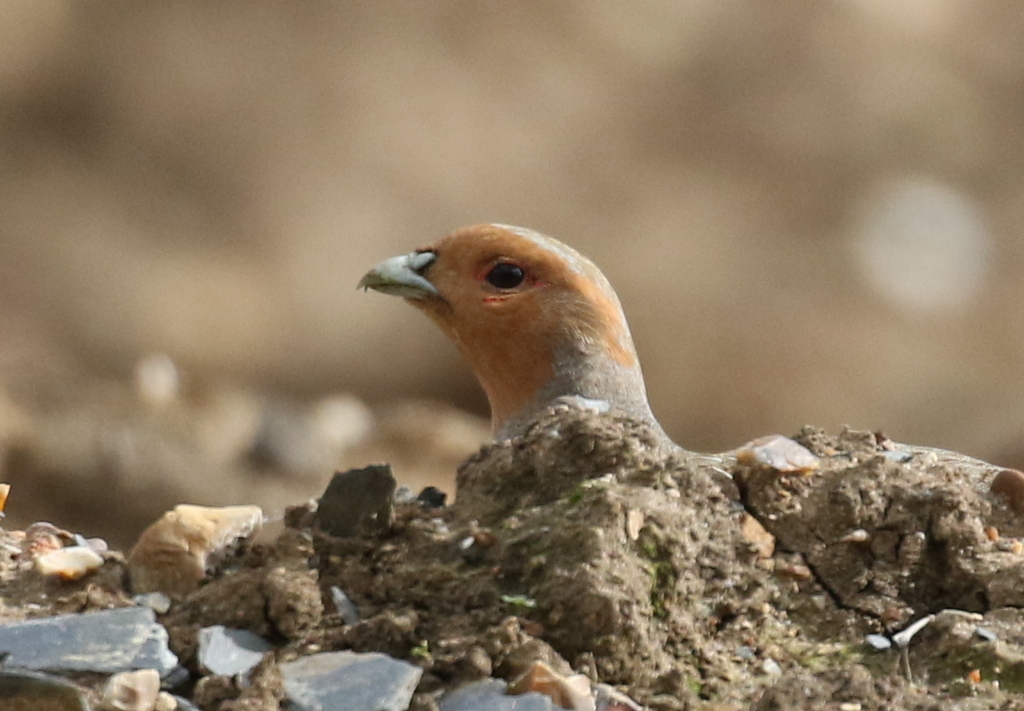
(810, 211)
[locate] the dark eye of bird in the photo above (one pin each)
(505, 275)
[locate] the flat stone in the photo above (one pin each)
(357, 502)
(228, 652)
(489, 695)
(348, 681)
(108, 642)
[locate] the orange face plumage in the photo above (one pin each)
(535, 319)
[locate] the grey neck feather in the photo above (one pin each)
(591, 381)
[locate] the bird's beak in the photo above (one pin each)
(402, 276)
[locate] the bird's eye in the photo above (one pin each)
(505, 275)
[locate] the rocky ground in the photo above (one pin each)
(881, 576)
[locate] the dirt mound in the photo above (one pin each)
(587, 545)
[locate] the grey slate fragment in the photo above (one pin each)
(109, 641)
(344, 605)
(347, 681)
(29, 691)
(357, 502)
(185, 705)
(228, 652)
(176, 678)
(489, 695)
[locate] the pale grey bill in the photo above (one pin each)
(400, 276)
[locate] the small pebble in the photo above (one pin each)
(779, 453)
(131, 691)
(878, 642)
(795, 571)
(97, 544)
(158, 602)
(72, 563)
(483, 537)
(757, 535)
(986, 634)
(858, 535)
(1010, 483)
(567, 692)
(634, 523)
(432, 498)
(344, 606)
(607, 698)
(745, 652)
(771, 667)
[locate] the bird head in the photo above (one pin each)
(537, 321)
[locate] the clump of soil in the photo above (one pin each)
(894, 534)
(588, 545)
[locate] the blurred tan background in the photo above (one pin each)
(811, 212)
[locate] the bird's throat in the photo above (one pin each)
(511, 380)
(542, 378)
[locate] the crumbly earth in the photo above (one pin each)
(585, 545)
